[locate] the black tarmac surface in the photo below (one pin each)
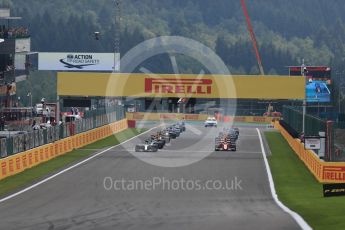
(224, 190)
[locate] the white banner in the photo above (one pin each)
(23, 45)
(19, 61)
(78, 61)
(312, 143)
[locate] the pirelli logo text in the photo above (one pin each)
(334, 173)
(178, 86)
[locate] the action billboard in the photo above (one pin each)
(78, 61)
(318, 91)
(318, 82)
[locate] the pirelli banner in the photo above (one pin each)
(196, 86)
(334, 172)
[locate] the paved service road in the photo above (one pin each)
(78, 199)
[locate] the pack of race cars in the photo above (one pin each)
(158, 140)
(226, 140)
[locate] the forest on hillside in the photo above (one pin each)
(287, 31)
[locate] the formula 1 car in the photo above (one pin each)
(146, 147)
(156, 139)
(224, 144)
(164, 135)
(232, 133)
(181, 125)
(171, 133)
(175, 131)
(237, 131)
(232, 136)
(177, 128)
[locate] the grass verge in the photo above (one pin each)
(299, 190)
(114, 139)
(38, 172)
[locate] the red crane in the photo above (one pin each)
(252, 36)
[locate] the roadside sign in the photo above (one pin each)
(312, 143)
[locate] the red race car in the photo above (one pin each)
(224, 144)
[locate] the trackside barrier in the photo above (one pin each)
(324, 172)
(3, 147)
(249, 119)
(36, 142)
(196, 117)
(17, 163)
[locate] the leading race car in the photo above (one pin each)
(226, 141)
(224, 144)
(148, 146)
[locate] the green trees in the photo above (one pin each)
(287, 31)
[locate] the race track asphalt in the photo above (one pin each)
(82, 198)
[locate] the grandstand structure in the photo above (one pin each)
(15, 47)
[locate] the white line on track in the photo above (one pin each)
(300, 221)
(201, 151)
(248, 135)
(69, 168)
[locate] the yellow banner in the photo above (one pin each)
(195, 86)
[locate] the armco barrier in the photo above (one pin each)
(19, 162)
(194, 117)
(249, 119)
(3, 147)
(324, 172)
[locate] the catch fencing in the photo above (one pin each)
(293, 116)
(28, 140)
(19, 162)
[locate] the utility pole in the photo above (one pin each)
(304, 74)
(118, 12)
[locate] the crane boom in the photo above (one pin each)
(252, 36)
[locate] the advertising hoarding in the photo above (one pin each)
(318, 82)
(180, 86)
(312, 143)
(318, 91)
(78, 61)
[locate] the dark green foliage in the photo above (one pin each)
(287, 31)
